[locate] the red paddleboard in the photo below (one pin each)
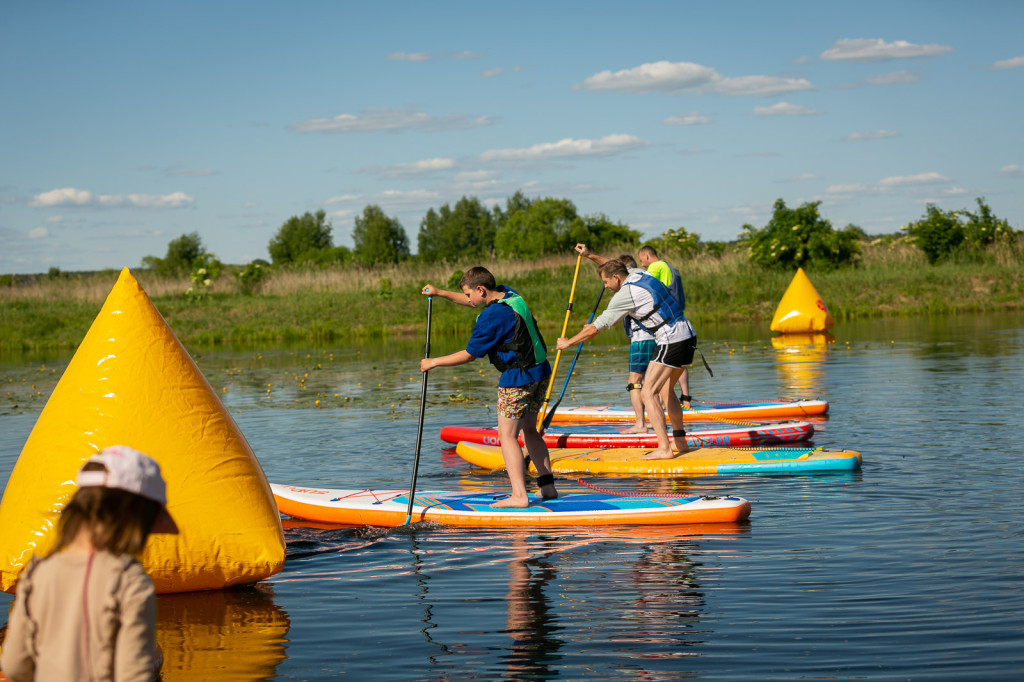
(608, 437)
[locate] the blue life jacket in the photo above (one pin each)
(666, 307)
(676, 287)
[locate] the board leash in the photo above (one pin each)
(614, 493)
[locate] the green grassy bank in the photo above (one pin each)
(332, 305)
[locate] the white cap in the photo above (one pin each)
(130, 470)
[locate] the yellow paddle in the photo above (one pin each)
(558, 355)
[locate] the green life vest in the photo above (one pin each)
(526, 342)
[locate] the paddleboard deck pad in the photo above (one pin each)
(700, 462)
(764, 410)
(388, 508)
(607, 437)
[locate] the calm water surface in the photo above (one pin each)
(912, 568)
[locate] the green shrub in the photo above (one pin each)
(983, 228)
(941, 235)
(205, 269)
(678, 241)
(800, 237)
(251, 278)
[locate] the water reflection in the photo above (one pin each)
(531, 623)
(423, 585)
(237, 634)
(800, 362)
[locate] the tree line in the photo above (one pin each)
(526, 228)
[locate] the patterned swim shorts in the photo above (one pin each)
(515, 402)
(640, 353)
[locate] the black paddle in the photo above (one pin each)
(419, 428)
(549, 415)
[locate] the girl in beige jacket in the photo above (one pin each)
(88, 611)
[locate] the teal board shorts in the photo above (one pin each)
(640, 353)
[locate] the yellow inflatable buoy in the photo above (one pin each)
(131, 382)
(801, 308)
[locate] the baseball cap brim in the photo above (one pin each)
(164, 523)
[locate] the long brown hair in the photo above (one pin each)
(119, 522)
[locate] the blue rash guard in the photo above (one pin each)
(495, 326)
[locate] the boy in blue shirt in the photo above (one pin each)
(507, 334)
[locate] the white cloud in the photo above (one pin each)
(894, 78)
(954, 191)
(491, 73)
(890, 184)
(876, 49)
(671, 77)
(567, 148)
(426, 56)
(475, 176)
(1014, 63)
(414, 168)
(694, 118)
(69, 196)
(759, 86)
(871, 135)
(38, 233)
(375, 119)
(784, 109)
(675, 78)
(919, 179)
(1013, 169)
(806, 176)
(390, 197)
(848, 189)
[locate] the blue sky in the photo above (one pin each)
(127, 124)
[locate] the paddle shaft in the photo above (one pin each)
(419, 428)
(548, 416)
(565, 326)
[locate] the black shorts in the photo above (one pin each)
(676, 355)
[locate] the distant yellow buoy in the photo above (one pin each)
(131, 382)
(801, 308)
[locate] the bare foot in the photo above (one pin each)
(680, 445)
(636, 429)
(512, 503)
(659, 454)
